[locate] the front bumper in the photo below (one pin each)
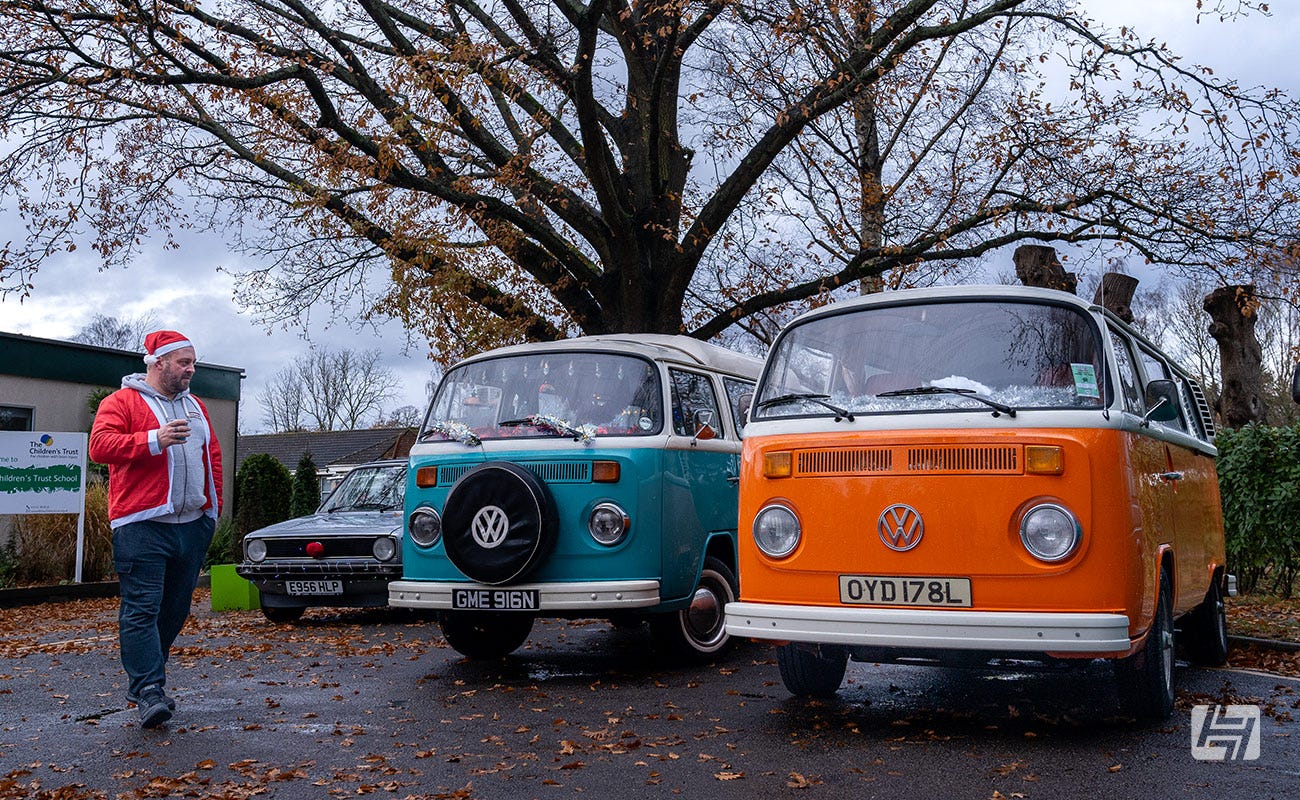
(926, 629)
(346, 569)
(584, 596)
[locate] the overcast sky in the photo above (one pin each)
(184, 290)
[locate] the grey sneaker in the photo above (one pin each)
(153, 707)
(166, 699)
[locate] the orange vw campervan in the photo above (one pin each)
(972, 473)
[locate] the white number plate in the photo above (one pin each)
(889, 590)
(313, 587)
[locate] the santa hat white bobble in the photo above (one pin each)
(160, 343)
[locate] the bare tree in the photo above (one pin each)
(329, 390)
(401, 417)
(498, 170)
(122, 333)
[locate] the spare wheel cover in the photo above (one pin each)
(498, 522)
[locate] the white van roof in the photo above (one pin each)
(658, 346)
(966, 292)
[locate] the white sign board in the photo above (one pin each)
(42, 473)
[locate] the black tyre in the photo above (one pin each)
(1146, 679)
(697, 632)
(498, 523)
(812, 673)
(486, 635)
(283, 613)
(1204, 633)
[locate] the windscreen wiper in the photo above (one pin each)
(819, 399)
(549, 423)
(971, 393)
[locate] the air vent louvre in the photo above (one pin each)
(991, 459)
(844, 462)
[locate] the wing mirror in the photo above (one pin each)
(1295, 384)
(1162, 402)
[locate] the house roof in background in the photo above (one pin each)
(329, 448)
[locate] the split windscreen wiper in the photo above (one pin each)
(819, 399)
(971, 393)
(548, 423)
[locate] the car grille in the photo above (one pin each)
(548, 471)
(907, 460)
(335, 547)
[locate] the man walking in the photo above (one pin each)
(164, 497)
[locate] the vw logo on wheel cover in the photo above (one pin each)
(489, 527)
(900, 527)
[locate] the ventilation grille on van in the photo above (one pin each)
(1003, 460)
(949, 459)
(548, 471)
(842, 462)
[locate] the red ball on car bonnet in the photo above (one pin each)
(315, 549)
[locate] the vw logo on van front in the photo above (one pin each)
(489, 527)
(900, 527)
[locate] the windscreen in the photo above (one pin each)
(935, 357)
(369, 489)
(548, 394)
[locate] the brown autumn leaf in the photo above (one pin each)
(728, 776)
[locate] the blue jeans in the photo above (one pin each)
(157, 566)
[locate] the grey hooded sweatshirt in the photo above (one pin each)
(188, 477)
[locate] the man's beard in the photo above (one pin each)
(175, 384)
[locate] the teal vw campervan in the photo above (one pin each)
(592, 477)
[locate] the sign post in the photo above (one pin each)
(45, 473)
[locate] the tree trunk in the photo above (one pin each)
(1037, 265)
(1115, 293)
(1234, 310)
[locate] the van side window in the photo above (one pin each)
(1156, 369)
(739, 395)
(692, 393)
(1128, 377)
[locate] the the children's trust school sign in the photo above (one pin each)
(42, 473)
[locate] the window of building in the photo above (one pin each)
(15, 418)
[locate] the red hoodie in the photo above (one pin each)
(125, 437)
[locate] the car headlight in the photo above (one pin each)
(384, 548)
(425, 526)
(255, 549)
(608, 523)
(1050, 532)
(776, 531)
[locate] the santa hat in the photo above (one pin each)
(160, 343)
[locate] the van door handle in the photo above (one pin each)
(1171, 476)
(734, 480)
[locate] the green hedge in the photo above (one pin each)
(1259, 480)
(263, 491)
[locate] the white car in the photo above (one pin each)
(343, 555)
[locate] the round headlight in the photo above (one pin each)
(776, 531)
(256, 550)
(608, 523)
(384, 548)
(425, 526)
(1050, 532)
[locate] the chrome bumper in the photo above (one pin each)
(932, 629)
(329, 568)
(586, 596)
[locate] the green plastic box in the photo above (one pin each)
(231, 592)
